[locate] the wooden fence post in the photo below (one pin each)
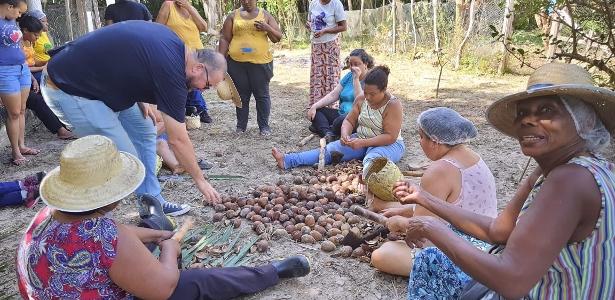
(435, 4)
(507, 31)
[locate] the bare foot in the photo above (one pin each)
(18, 160)
(279, 157)
(65, 134)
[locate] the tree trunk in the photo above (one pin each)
(413, 28)
(69, 22)
(435, 4)
(361, 22)
(349, 5)
(507, 31)
(34, 5)
(467, 35)
(211, 14)
(394, 15)
(459, 14)
(82, 26)
(97, 20)
(553, 35)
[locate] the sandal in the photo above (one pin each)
(19, 161)
(29, 151)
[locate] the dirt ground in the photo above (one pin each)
(249, 155)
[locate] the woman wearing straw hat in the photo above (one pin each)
(377, 117)
(244, 40)
(457, 175)
(74, 250)
(556, 237)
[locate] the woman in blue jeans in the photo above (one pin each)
(15, 79)
(377, 117)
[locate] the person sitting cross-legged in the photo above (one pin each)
(73, 249)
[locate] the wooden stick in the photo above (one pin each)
(360, 211)
(413, 173)
(179, 234)
(306, 139)
(321, 157)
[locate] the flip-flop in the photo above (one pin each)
(19, 162)
(29, 151)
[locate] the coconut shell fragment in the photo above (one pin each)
(327, 246)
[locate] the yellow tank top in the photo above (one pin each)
(185, 28)
(248, 43)
(42, 45)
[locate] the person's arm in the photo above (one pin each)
(327, 100)
(226, 35)
(194, 15)
(137, 271)
(36, 68)
(350, 122)
(184, 151)
(163, 13)
(493, 230)
(391, 126)
(271, 27)
(340, 27)
(356, 81)
(565, 210)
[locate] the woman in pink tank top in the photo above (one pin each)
(457, 175)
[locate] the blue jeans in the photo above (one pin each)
(128, 129)
(195, 98)
(393, 152)
(10, 193)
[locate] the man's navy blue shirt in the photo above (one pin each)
(128, 62)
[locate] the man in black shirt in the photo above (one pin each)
(124, 10)
(104, 83)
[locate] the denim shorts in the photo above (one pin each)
(14, 78)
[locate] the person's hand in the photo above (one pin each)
(397, 224)
(148, 111)
(354, 143)
(398, 211)
(210, 195)
(356, 72)
(35, 86)
(320, 33)
(311, 113)
(262, 26)
(417, 229)
(170, 245)
(183, 3)
(163, 235)
(409, 193)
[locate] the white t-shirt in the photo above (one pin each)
(325, 16)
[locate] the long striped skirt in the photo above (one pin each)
(325, 69)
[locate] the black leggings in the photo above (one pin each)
(223, 283)
(328, 120)
(37, 104)
(252, 79)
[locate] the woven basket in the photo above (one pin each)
(193, 122)
(381, 178)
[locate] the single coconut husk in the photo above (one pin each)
(193, 122)
(381, 178)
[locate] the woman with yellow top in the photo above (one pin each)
(181, 17)
(43, 43)
(244, 42)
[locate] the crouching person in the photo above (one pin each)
(73, 249)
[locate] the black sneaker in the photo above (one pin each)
(149, 206)
(294, 266)
(191, 111)
(205, 118)
(313, 129)
(265, 132)
(330, 137)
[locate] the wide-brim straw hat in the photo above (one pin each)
(555, 79)
(91, 175)
(227, 91)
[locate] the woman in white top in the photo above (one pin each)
(326, 18)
